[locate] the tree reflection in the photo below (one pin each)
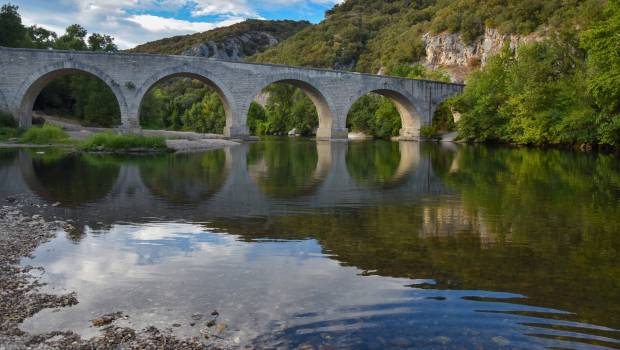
(543, 224)
(373, 163)
(69, 178)
(284, 167)
(185, 178)
(7, 156)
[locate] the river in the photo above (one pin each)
(299, 244)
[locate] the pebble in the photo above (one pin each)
(501, 341)
(21, 298)
(442, 340)
(401, 342)
(106, 319)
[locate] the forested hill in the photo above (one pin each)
(538, 72)
(368, 35)
(233, 42)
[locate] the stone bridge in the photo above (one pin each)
(25, 72)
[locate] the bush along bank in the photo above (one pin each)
(561, 91)
(107, 142)
(52, 135)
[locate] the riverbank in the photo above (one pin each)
(114, 141)
(20, 235)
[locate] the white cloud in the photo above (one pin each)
(215, 7)
(157, 24)
(132, 22)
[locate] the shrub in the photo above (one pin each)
(7, 120)
(45, 134)
(8, 133)
(113, 142)
(429, 132)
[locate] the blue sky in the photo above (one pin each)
(132, 22)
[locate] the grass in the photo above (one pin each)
(44, 135)
(8, 127)
(9, 133)
(107, 141)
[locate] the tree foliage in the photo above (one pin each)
(553, 92)
(603, 45)
(11, 28)
(564, 89)
(367, 35)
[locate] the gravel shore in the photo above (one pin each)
(20, 235)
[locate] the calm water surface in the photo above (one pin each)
(344, 245)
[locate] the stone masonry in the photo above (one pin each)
(25, 72)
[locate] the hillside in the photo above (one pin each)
(370, 36)
(234, 42)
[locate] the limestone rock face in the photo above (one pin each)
(234, 48)
(448, 49)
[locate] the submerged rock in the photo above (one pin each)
(106, 319)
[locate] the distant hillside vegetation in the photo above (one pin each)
(234, 42)
(368, 35)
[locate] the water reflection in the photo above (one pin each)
(425, 246)
(373, 163)
(288, 293)
(285, 167)
(68, 178)
(185, 178)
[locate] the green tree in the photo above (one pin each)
(12, 32)
(603, 45)
(95, 103)
(73, 39)
(208, 116)
(40, 38)
(256, 119)
(98, 42)
(289, 108)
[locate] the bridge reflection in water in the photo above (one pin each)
(248, 180)
(374, 244)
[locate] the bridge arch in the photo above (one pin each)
(33, 85)
(410, 116)
(184, 71)
(308, 86)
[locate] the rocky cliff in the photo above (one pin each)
(234, 47)
(230, 43)
(450, 52)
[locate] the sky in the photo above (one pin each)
(133, 22)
